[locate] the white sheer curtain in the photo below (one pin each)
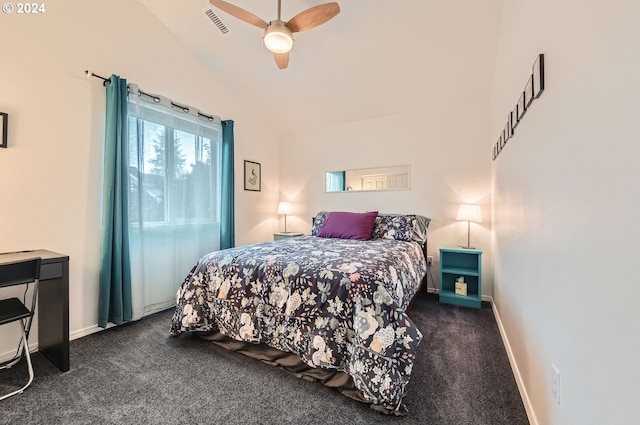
(174, 196)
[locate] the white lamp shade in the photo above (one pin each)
(469, 212)
(278, 38)
(285, 207)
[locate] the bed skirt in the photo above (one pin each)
(289, 361)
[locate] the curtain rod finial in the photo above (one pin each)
(88, 73)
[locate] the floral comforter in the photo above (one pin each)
(336, 303)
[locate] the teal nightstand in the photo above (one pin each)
(456, 262)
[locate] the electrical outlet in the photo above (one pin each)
(555, 383)
(429, 260)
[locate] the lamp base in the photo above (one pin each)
(468, 247)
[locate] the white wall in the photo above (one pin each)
(440, 177)
(439, 127)
(50, 196)
(566, 199)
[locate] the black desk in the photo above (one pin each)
(53, 303)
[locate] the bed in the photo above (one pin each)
(336, 299)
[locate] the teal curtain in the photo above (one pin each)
(115, 270)
(227, 216)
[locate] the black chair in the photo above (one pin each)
(12, 309)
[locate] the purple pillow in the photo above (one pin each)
(348, 225)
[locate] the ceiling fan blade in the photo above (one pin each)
(239, 13)
(282, 59)
(313, 17)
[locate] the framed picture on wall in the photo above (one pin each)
(528, 92)
(521, 106)
(507, 132)
(252, 177)
(514, 118)
(3, 129)
(538, 76)
(510, 118)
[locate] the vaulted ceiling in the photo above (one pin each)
(375, 58)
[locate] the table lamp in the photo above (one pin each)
(285, 208)
(469, 213)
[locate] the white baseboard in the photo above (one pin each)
(88, 331)
(528, 407)
(33, 346)
(6, 356)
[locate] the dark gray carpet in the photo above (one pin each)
(136, 374)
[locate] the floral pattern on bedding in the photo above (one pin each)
(318, 222)
(398, 227)
(336, 303)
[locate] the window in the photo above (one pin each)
(174, 166)
(174, 169)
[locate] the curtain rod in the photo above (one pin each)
(156, 99)
(91, 74)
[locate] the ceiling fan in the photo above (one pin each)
(278, 34)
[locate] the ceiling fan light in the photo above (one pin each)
(278, 38)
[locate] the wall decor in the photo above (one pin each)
(507, 132)
(538, 76)
(252, 177)
(528, 92)
(514, 117)
(521, 106)
(391, 177)
(532, 90)
(4, 117)
(497, 147)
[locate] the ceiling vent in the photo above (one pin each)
(224, 29)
